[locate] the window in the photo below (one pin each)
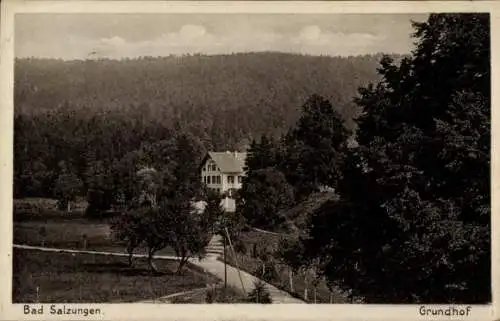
(240, 179)
(230, 179)
(218, 179)
(204, 179)
(208, 179)
(214, 179)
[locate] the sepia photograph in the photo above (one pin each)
(253, 158)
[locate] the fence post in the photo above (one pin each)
(305, 289)
(290, 277)
(84, 241)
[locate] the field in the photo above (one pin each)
(38, 223)
(87, 278)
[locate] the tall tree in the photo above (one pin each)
(68, 187)
(413, 221)
(261, 154)
(264, 193)
(315, 147)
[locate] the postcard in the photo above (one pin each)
(249, 160)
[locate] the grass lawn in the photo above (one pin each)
(215, 294)
(89, 278)
(38, 205)
(37, 222)
(69, 235)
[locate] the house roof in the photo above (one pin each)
(229, 162)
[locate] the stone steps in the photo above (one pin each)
(215, 247)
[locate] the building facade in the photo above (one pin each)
(223, 172)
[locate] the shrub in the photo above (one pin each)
(267, 272)
(260, 293)
(240, 247)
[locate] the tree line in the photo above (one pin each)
(412, 220)
(82, 112)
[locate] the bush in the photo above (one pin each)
(260, 293)
(240, 247)
(224, 295)
(268, 274)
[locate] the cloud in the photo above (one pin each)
(311, 39)
(192, 32)
(309, 33)
(195, 38)
(113, 42)
(71, 36)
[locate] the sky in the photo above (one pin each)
(116, 36)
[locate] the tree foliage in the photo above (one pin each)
(314, 147)
(161, 211)
(76, 111)
(264, 193)
(67, 187)
(413, 221)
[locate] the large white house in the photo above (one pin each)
(223, 172)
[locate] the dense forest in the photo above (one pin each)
(66, 110)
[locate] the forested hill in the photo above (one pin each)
(235, 95)
(85, 112)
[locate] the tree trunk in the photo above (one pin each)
(290, 277)
(182, 262)
(130, 256)
(151, 264)
(305, 289)
(69, 206)
(183, 254)
(130, 251)
(314, 295)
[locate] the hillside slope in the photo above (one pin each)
(296, 218)
(92, 113)
(229, 92)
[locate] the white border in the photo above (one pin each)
(10, 311)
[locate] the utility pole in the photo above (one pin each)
(225, 264)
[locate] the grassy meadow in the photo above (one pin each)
(37, 222)
(49, 277)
